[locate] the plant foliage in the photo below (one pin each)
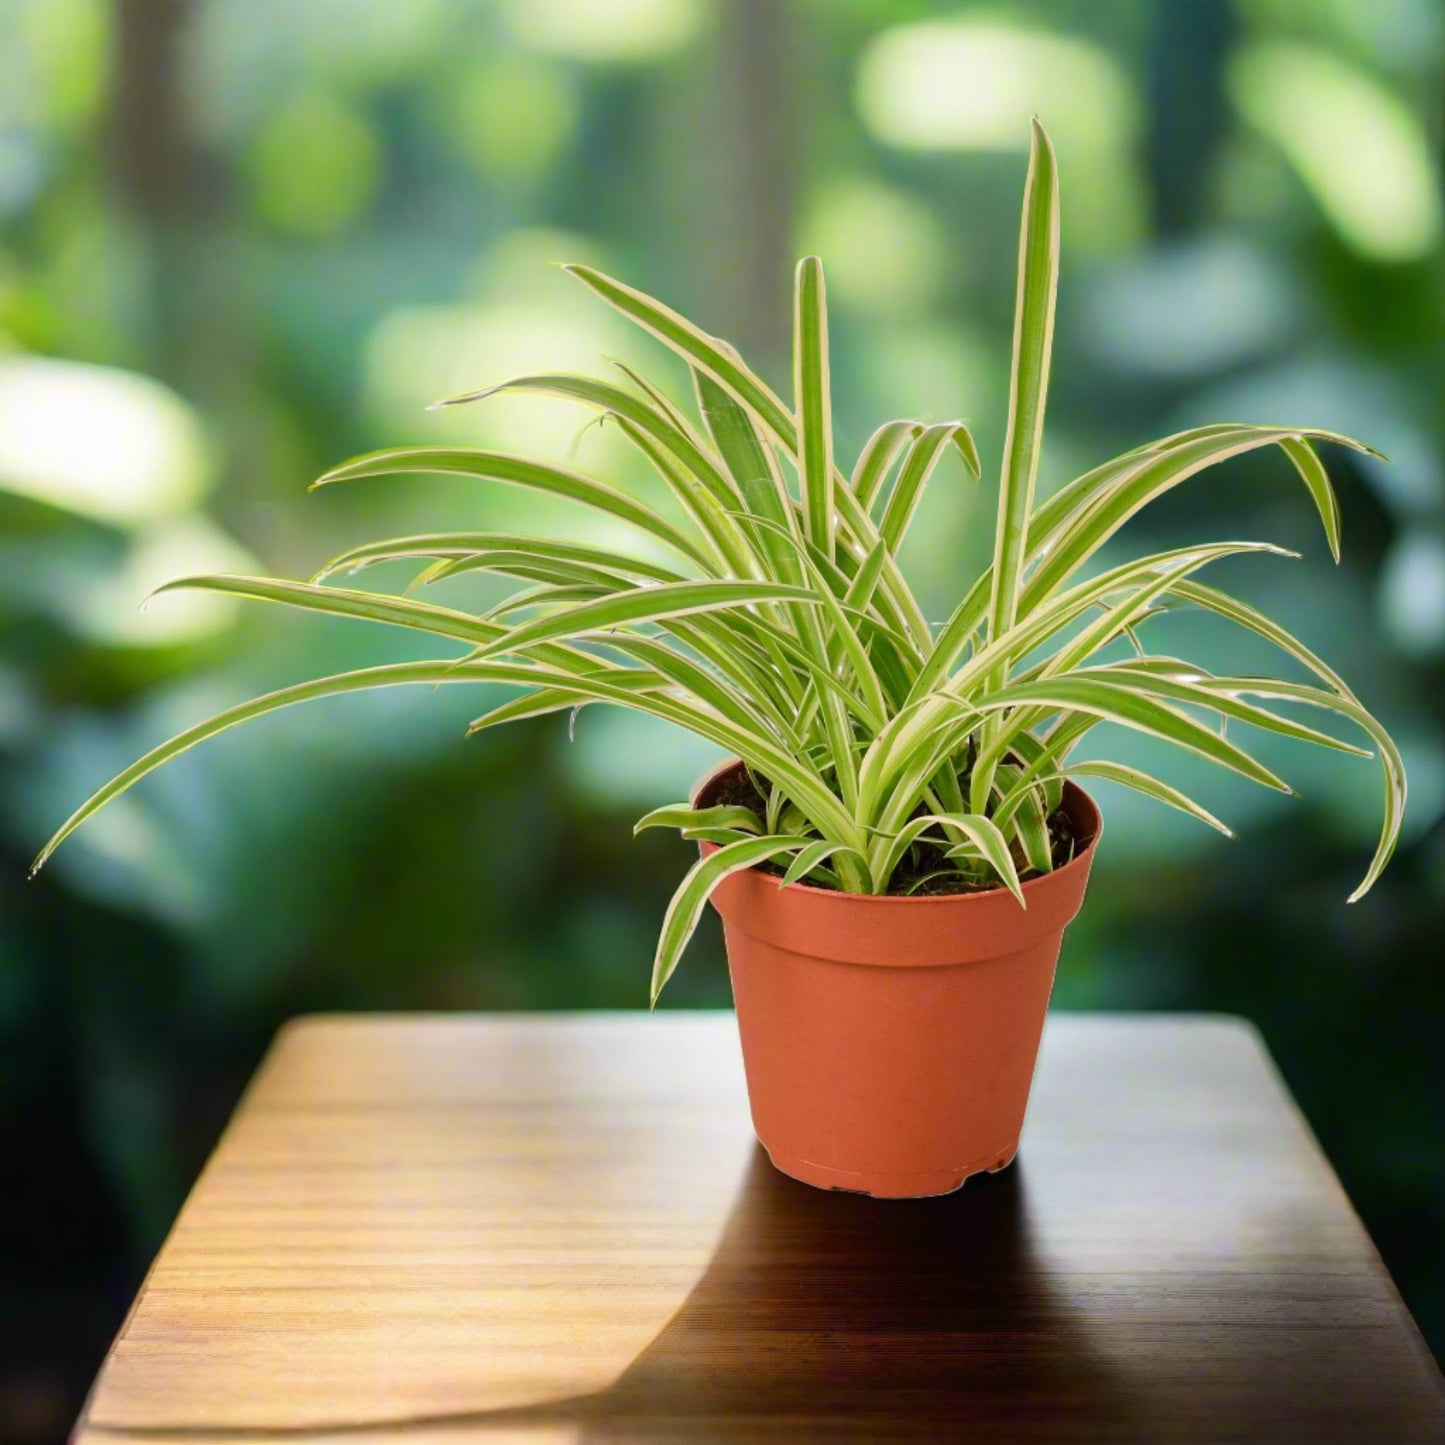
(783, 630)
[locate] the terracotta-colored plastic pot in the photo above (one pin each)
(889, 1043)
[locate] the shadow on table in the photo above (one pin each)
(836, 1314)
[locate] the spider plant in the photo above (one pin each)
(781, 628)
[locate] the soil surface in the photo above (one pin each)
(737, 789)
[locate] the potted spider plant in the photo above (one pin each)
(899, 841)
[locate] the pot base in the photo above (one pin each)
(891, 1186)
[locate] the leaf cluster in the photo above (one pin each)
(781, 628)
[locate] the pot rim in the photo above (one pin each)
(1081, 859)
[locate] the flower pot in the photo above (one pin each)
(889, 1043)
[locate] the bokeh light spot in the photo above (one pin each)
(972, 85)
(1190, 309)
(105, 443)
(314, 166)
(1363, 156)
(108, 610)
(884, 250)
(604, 31)
(1412, 593)
(511, 120)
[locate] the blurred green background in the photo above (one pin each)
(242, 239)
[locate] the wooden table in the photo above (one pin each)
(448, 1229)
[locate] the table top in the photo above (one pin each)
(560, 1228)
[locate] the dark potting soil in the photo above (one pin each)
(738, 790)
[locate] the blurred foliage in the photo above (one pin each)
(240, 239)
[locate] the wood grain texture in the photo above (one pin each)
(447, 1229)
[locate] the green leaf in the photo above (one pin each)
(743, 656)
(1317, 483)
(791, 772)
(1095, 517)
(1089, 505)
(749, 460)
(812, 392)
(544, 700)
(1038, 276)
(876, 459)
(1204, 690)
(750, 709)
(1031, 821)
(1030, 749)
(1151, 787)
(923, 456)
(1043, 622)
(1392, 764)
(375, 607)
(719, 361)
(1134, 605)
(1084, 491)
(812, 857)
(918, 883)
(1042, 757)
(520, 472)
(341, 602)
(865, 579)
(484, 546)
(986, 840)
(687, 903)
(1134, 708)
(526, 567)
(661, 422)
(685, 817)
(538, 598)
(748, 657)
(1200, 595)
(845, 641)
(663, 403)
(711, 517)
(709, 355)
(642, 604)
(388, 676)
